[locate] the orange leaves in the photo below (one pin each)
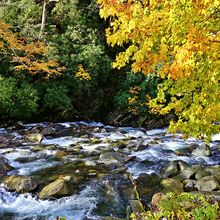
(180, 40)
(26, 56)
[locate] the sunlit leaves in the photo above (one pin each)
(26, 56)
(181, 41)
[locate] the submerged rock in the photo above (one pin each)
(20, 184)
(57, 188)
(4, 166)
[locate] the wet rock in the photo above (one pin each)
(38, 148)
(129, 158)
(36, 137)
(110, 158)
(203, 150)
(208, 183)
(94, 140)
(172, 185)
(4, 166)
(48, 131)
(26, 159)
(60, 154)
(56, 189)
(20, 184)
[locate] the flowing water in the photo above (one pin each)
(102, 190)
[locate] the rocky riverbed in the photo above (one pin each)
(91, 171)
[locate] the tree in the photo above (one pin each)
(179, 40)
(25, 56)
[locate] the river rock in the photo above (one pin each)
(172, 185)
(48, 131)
(156, 198)
(57, 188)
(60, 154)
(170, 170)
(147, 185)
(189, 173)
(20, 184)
(110, 158)
(201, 173)
(4, 166)
(214, 170)
(35, 137)
(208, 183)
(203, 150)
(189, 185)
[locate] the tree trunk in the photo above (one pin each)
(43, 20)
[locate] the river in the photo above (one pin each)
(101, 186)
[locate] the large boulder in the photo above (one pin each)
(172, 185)
(203, 150)
(20, 184)
(208, 183)
(4, 166)
(110, 158)
(57, 188)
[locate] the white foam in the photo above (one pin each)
(63, 141)
(75, 207)
(216, 137)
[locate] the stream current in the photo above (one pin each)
(99, 194)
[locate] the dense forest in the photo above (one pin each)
(109, 109)
(87, 87)
(57, 63)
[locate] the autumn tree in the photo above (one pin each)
(180, 41)
(25, 56)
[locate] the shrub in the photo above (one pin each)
(184, 206)
(18, 99)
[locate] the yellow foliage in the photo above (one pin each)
(24, 55)
(181, 41)
(82, 74)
